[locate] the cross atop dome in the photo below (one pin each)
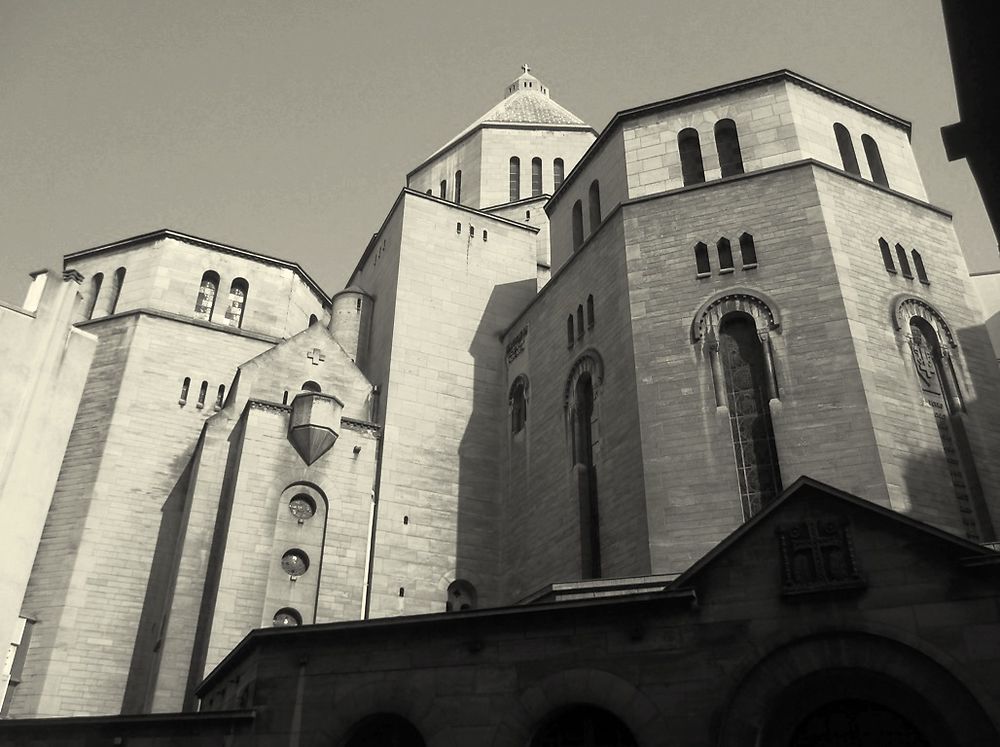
(526, 82)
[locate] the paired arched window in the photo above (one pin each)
(583, 726)
(536, 176)
(883, 245)
(594, 205)
(558, 172)
(689, 145)
(701, 259)
(518, 404)
(207, 291)
(727, 143)
(918, 265)
(725, 250)
(874, 160)
(847, 155)
(462, 596)
(590, 312)
(582, 386)
(570, 336)
(116, 289)
(237, 302)
(577, 225)
(95, 290)
(515, 178)
(748, 252)
(904, 263)
(202, 392)
(579, 322)
(458, 186)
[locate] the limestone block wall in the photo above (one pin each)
(541, 516)
(165, 274)
(605, 165)
(441, 403)
(465, 155)
(532, 212)
(500, 143)
(822, 420)
(127, 452)
(987, 286)
(909, 445)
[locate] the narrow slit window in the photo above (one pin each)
(536, 176)
(904, 263)
(594, 205)
(472, 231)
(727, 143)
(518, 405)
(874, 160)
(847, 155)
(577, 225)
(570, 336)
(458, 186)
(220, 397)
(205, 303)
(701, 259)
(202, 392)
(558, 172)
(883, 245)
(443, 189)
(579, 322)
(725, 254)
(590, 312)
(116, 289)
(185, 387)
(95, 290)
(237, 302)
(748, 252)
(689, 145)
(458, 228)
(515, 178)
(918, 265)
(485, 235)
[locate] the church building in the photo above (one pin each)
(680, 432)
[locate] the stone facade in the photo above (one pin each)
(520, 394)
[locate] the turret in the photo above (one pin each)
(350, 320)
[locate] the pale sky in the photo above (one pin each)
(288, 127)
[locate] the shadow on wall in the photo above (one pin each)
(481, 454)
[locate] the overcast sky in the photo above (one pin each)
(288, 127)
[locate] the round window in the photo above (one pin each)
(295, 562)
(287, 616)
(302, 506)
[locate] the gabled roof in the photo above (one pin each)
(806, 487)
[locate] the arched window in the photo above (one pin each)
(590, 312)
(583, 726)
(577, 225)
(874, 160)
(220, 397)
(287, 617)
(518, 404)
(579, 322)
(461, 596)
(116, 289)
(95, 290)
(201, 394)
(443, 189)
(384, 730)
(237, 302)
(515, 178)
(904, 263)
(727, 143)
(747, 388)
(558, 172)
(594, 205)
(458, 186)
(725, 255)
(883, 245)
(581, 392)
(311, 386)
(570, 337)
(184, 391)
(748, 252)
(313, 319)
(701, 260)
(846, 146)
(486, 235)
(205, 303)
(918, 265)
(536, 176)
(689, 145)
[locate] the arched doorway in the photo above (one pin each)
(384, 730)
(583, 726)
(856, 723)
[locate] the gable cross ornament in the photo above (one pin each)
(315, 355)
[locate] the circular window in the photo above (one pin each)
(287, 616)
(302, 506)
(295, 562)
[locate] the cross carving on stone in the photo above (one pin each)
(316, 355)
(525, 68)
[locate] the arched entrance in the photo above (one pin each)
(583, 726)
(856, 723)
(384, 730)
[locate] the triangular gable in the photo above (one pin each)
(813, 492)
